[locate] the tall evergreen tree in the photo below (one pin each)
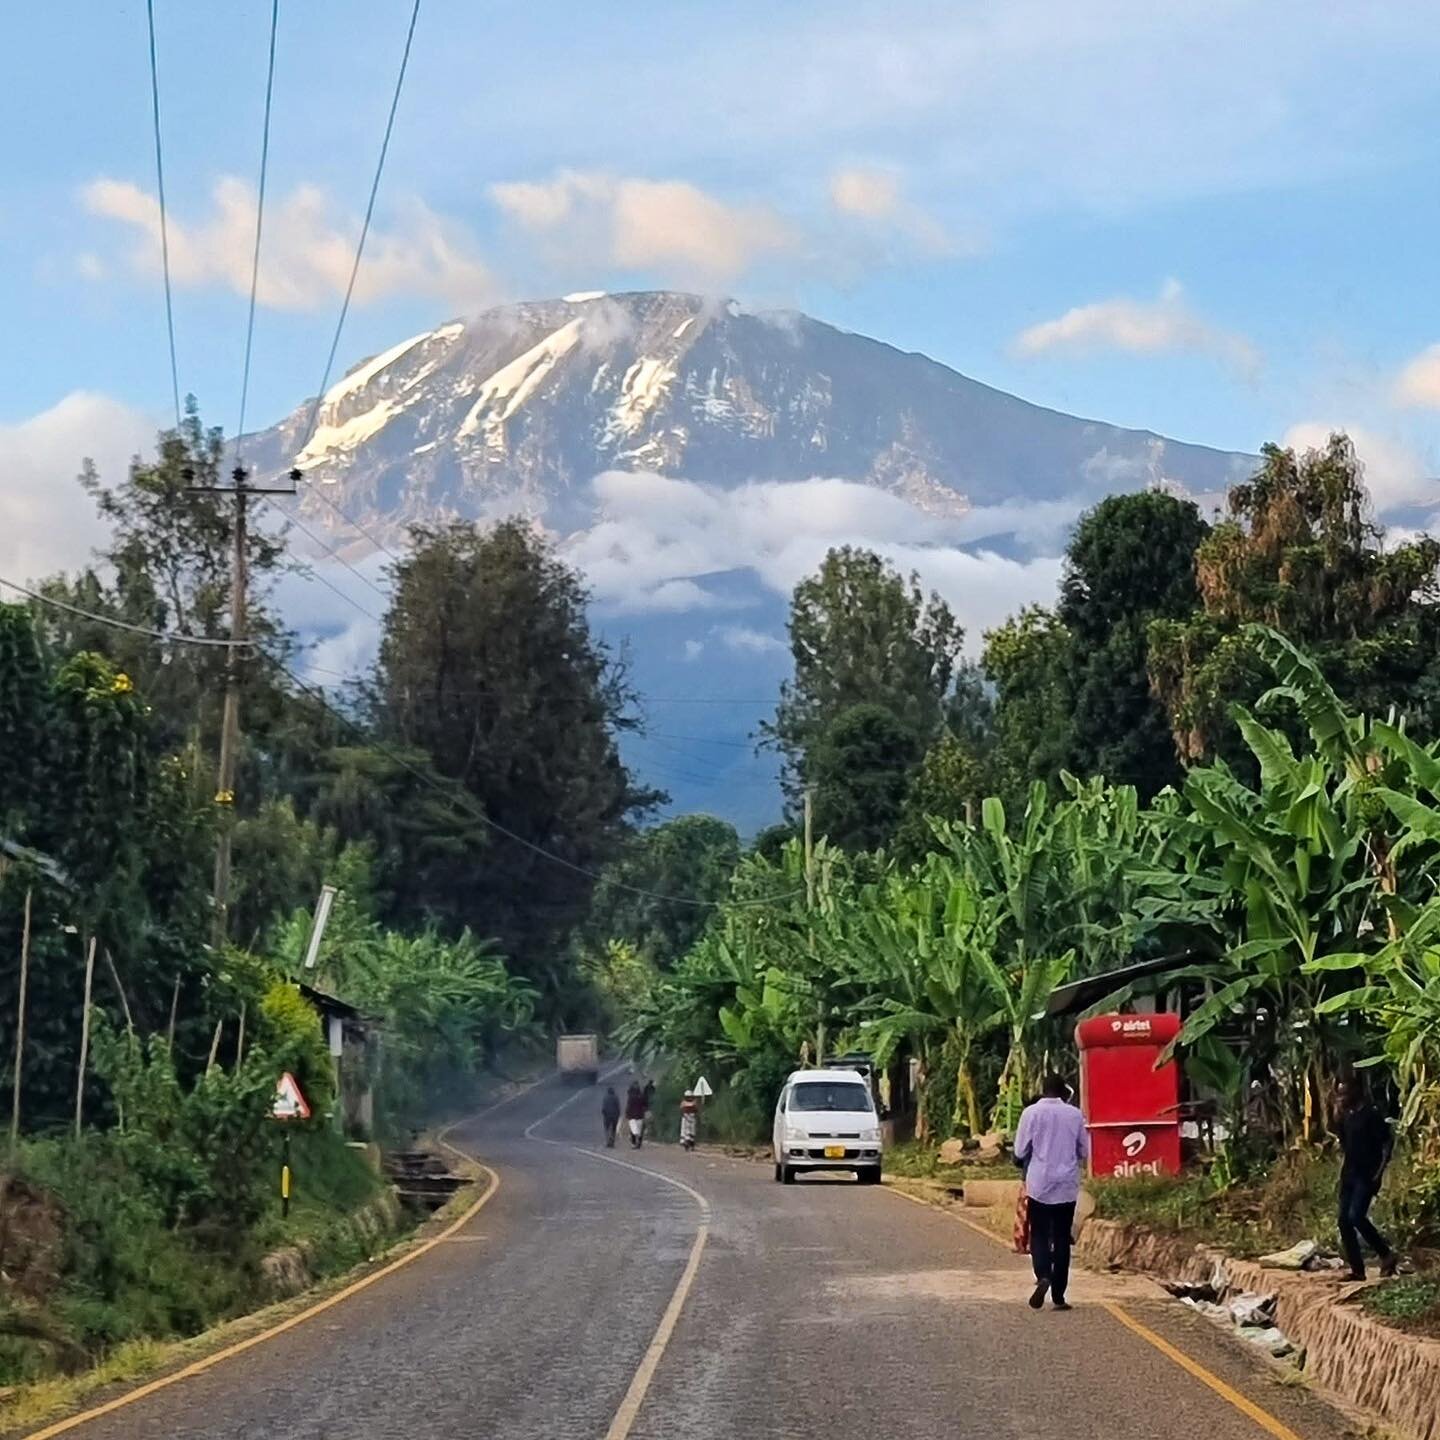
(1130, 561)
(862, 634)
(488, 665)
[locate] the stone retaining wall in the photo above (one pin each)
(287, 1271)
(1383, 1370)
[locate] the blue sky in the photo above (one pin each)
(1216, 222)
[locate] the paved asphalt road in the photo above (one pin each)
(822, 1309)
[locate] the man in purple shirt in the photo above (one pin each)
(1051, 1144)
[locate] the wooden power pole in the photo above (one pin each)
(241, 490)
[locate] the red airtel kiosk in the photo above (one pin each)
(1131, 1105)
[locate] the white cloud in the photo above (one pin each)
(1394, 474)
(655, 530)
(638, 224)
(1142, 327)
(47, 522)
(1418, 384)
(694, 649)
(308, 252)
(743, 638)
(874, 196)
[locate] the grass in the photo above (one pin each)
(138, 1360)
(916, 1161)
(1410, 1303)
(1294, 1200)
(124, 1272)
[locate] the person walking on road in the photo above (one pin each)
(649, 1093)
(1366, 1143)
(635, 1115)
(610, 1114)
(1051, 1144)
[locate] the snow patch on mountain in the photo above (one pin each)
(513, 384)
(643, 388)
(362, 375)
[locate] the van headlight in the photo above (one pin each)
(794, 1136)
(872, 1134)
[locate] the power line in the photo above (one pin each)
(704, 700)
(334, 555)
(475, 812)
(172, 636)
(164, 224)
(364, 229)
(354, 523)
(702, 739)
(259, 227)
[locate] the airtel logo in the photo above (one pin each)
(1131, 1025)
(1134, 1143)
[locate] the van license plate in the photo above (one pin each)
(834, 1152)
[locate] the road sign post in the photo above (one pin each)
(290, 1104)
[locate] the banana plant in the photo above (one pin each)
(923, 956)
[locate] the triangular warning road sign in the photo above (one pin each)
(702, 1087)
(290, 1102)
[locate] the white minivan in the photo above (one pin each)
(826, 1120)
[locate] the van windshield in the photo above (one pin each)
(829, 1095)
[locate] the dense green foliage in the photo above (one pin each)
(488, 665)
(861, 634)
(1300, 553)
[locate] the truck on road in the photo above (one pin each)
(577, 1057)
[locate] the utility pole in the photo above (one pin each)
(241, 490)
(810, 914)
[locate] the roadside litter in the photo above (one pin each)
(1251, 1314)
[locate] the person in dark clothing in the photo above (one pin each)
(610, 1114)
(649, 1093)
(635, 1115)
(1366, 1143)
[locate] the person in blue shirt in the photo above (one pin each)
(1051, 1146)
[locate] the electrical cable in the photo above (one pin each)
(354, 523)
(476, 813)
(332, 553)
(259, 227)
(364, 229)
(171, 636)
(164, 222)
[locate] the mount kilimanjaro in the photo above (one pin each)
(779, 435)
(522, 406)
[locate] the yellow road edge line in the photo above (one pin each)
(229, 1352)
(974, 1225)
(1263, 1418)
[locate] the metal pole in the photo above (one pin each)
(84, 1037)
(20, 1022)
(285, 1176)
(810, 914)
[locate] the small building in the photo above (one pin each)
(353, 1039)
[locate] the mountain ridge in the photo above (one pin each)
(522, 405)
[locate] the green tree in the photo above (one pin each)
(861, 634)
(949, 785)
(1300, 553)
(1030, 661)
(167, 566)
(488, 665)
(860, 767)
(691, 858)
(1130, 561)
